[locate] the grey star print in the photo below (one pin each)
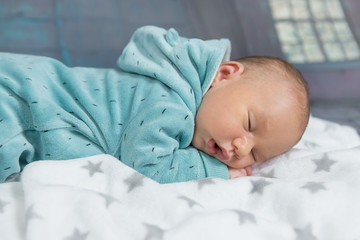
(93, 168)
(77, 235)
(206, 181)
(323, 164)
(134, 181)
(2, 206)
(330, 126)
(305, 233)
(310, 145)
(259, 185)
(153, 232)
(31, 214)
(314, 187)
(245, 217)
(189, 201)
(270, 174)
(108, 199)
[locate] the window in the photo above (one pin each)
(314, 31)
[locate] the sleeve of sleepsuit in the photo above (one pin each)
(156, 143)
(175, 73)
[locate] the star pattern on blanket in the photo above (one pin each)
(310, 145)
(190, 201)
(108, 199)
(324, 163)
(259, 185)
(153, 232)
(305, 233)
(206, 181)
(134, 181)
(245, 217)
(77, 235)
(314, 187)
(31, 214)
(93, 168)
(2, 205)
(330, 127)
(270, 174)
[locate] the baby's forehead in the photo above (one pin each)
(291, 89)
(278, 96)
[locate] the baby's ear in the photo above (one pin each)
(227, 70)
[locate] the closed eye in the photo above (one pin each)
(253, 155)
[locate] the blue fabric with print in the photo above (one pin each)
(142, 113)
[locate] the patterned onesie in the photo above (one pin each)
(142, 113)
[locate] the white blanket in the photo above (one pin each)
(309, 193)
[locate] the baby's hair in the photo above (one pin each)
(274, 64)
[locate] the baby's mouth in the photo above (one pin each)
(214, 149)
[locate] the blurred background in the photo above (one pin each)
(320, 37)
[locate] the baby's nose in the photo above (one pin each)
(243, 145)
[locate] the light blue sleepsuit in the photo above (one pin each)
(142, 114)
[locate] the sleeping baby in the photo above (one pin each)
(176, 109)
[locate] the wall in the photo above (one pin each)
(93, 33)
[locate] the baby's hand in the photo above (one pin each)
(239, 172)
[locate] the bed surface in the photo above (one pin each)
(311, 192)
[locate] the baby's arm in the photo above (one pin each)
(156, 143)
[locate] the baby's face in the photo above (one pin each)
(241, 122)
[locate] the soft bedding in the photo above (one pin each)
(311, 192)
